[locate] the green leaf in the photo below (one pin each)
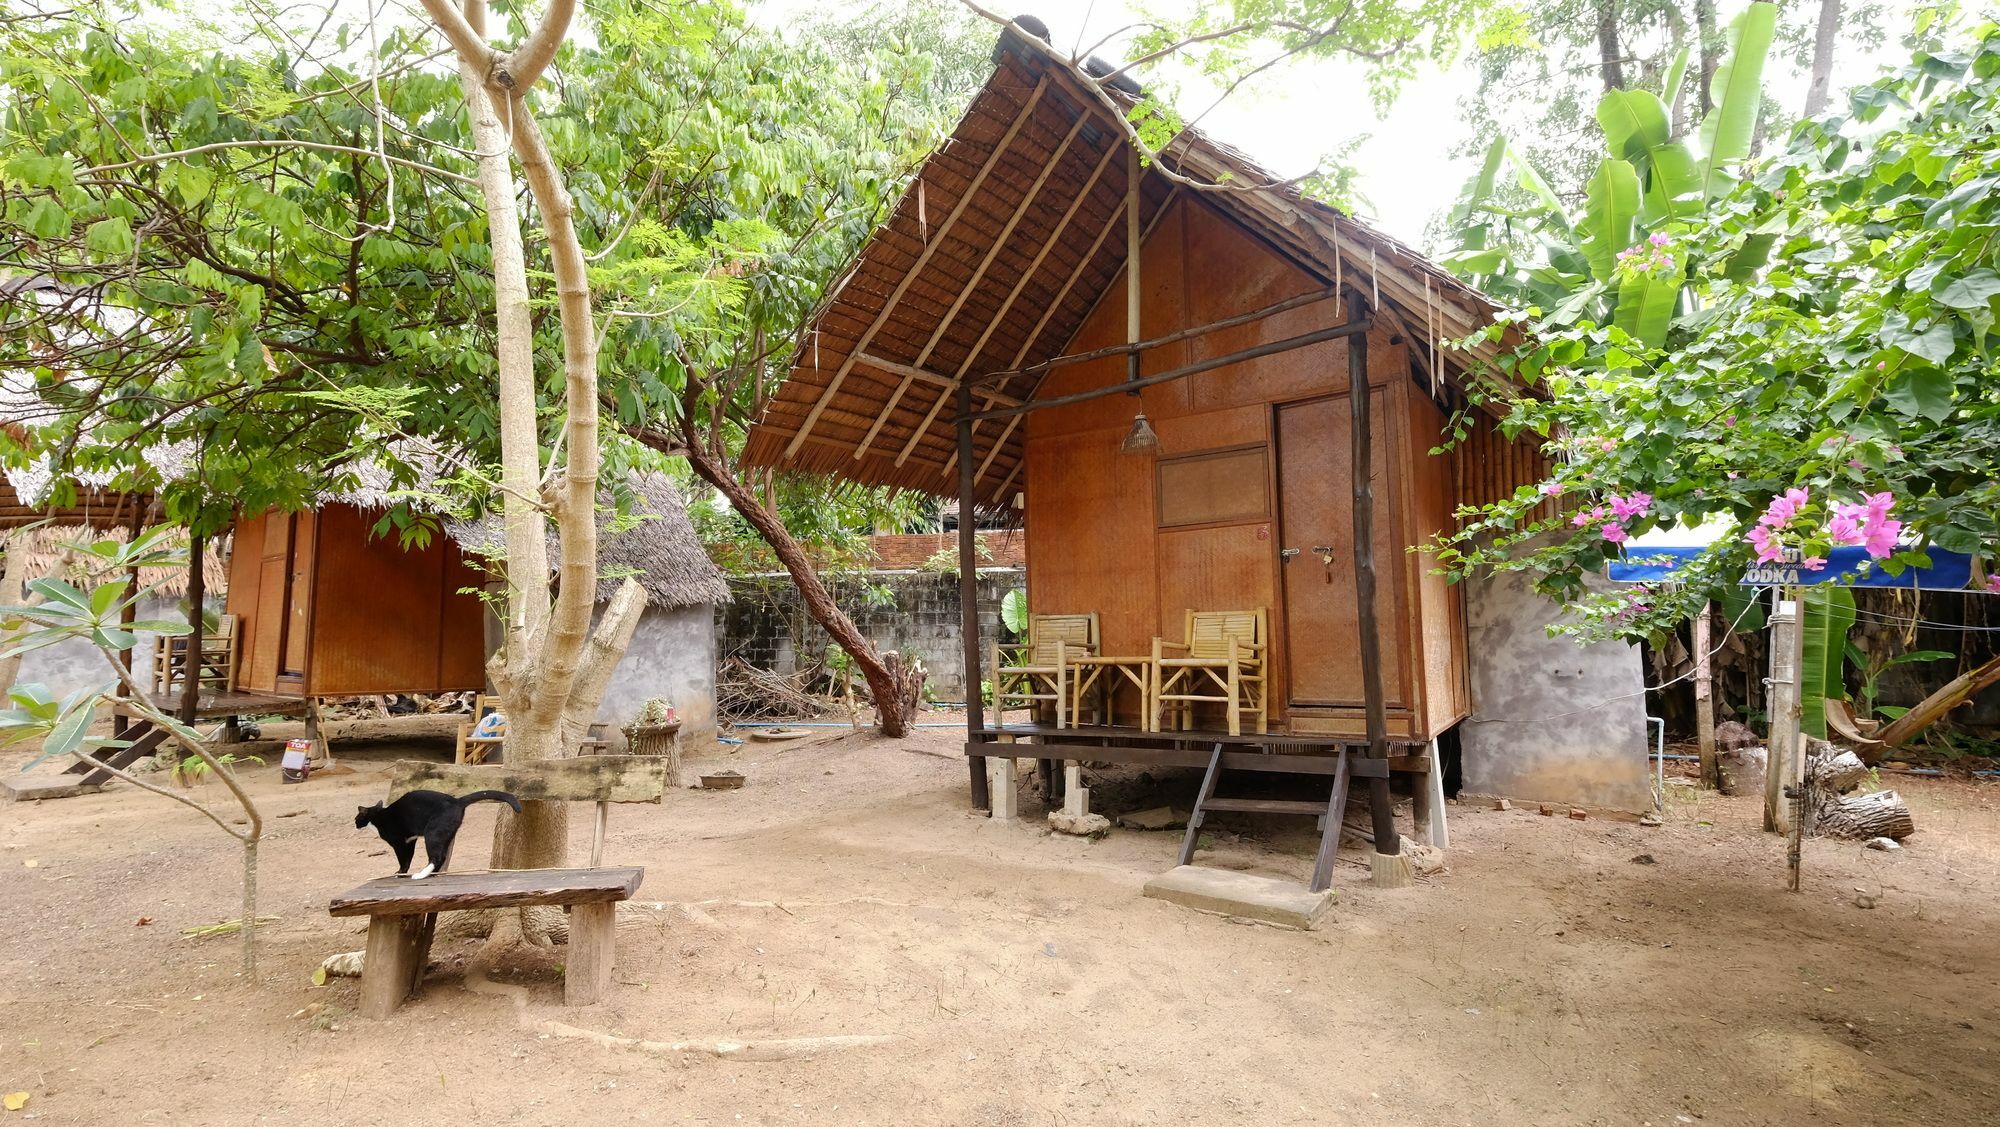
(109, 237)
(1612, 202)
(47, 219)
(1829, 615)
(1677, 68)
(1972, 290)
(1922, 391)
(1014, 611)
(1646, 306)
(1635, 122)
(1737, 95)
(1935, 342)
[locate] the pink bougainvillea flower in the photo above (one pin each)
(1881, 539)
(1855, 464)
(1730, 421)
(1879, 504)
(1813, 563)
(1552, 489)
(1769, 548)
(1625, 508)
(1607, 445)
(1844, 529)
(1658, 238)
(1783, 509)
(1993, 583)
(1732, 474)
(1614, 532)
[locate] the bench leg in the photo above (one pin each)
(398, 947)
(593, 932)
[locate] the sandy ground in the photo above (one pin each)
(1019, 977)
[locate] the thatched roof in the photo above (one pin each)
(47, 556)
(1007, 238)
(661, 550)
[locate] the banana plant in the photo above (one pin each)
(1829, 615)
(1613, 263)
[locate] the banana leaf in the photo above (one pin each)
(1737, 93)
(1646, 305)
(1829, 615)
(1611, 204)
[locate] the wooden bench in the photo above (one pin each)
(402, 913)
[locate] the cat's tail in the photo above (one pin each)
(491, 796)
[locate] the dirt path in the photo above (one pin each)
(1020, 977)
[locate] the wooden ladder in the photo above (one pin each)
(1330, 814)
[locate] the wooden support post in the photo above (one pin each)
(191, 665)
(593, 932)
(597, 832)
(1784, 760)
(968, 596)
(393, 965)
(1704, 697)
(1390, 868)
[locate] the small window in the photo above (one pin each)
(1217, 487)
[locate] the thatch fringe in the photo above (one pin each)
(49, 554)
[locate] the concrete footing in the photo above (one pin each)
(16, 787)
(1265, 899)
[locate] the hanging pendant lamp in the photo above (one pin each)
(1142, 439)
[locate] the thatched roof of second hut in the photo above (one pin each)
(660, 550)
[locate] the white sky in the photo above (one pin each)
(1407, 171)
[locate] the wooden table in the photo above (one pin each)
(402, 915)
(1091, 671)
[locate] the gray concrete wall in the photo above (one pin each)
(672, 656)
(75, 664)
(911, 612)
(1551, 721)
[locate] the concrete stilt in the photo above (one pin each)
(1003, 794)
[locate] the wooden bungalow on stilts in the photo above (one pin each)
(1156, 373)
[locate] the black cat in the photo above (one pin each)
(427, 814)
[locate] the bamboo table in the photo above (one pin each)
(1090, 672)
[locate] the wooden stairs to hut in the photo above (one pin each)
(120, 757)
(1329, 812)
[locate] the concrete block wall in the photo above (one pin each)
(1552, 721)
(912, 612)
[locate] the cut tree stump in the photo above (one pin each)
(1832, 774)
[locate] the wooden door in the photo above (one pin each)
(266, 647)
(1322, 635)
(298, 595)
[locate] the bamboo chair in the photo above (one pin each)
(475, 749)
(1223, 661)
(1039, 672)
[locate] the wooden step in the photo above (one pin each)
(1266, 806)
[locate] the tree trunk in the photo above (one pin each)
(1610, 57)
(554, 669)
(1822, 57)
(895, 688)
(1710, 53)
(1933, 708)
(1831, 773)
(12, 582)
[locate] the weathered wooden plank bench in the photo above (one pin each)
(402, 913)
(402, 916)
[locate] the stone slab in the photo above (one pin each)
(1265, 899)
(17, 787)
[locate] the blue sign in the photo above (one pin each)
(1845, 566)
